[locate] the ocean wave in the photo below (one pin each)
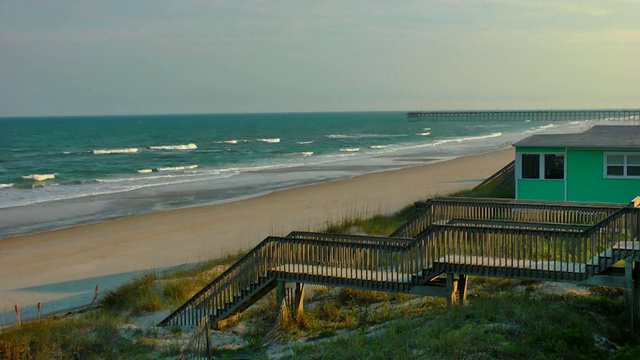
(6, 186)
(303, 153)
(339, 136)
(270, 140)
(424, 133)
(304, 142)
(468, 138)
(350, 149)
(377, 147)
(115, 151)
(190, 146)
(40, 177)
(234, 142)
(548, 126)
(144, 171)
(177, 168)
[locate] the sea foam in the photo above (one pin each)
(190, 146)
(6, 186)
(270, 140)
(40, 177)
(115, 151)
(177, 168)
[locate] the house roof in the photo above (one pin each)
(597, 137)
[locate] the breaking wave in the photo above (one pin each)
(6, 186)
(115, 151)
(235, 142)
(270, 140)
(40, 177)
(177, 168)
(190, 146)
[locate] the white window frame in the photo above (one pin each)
(624, 165)
(542, 165)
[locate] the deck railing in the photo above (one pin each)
(397, 264)
(443, 210)
(525, 252)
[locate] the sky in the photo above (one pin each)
(113, 57)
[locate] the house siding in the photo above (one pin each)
(539, 189)
(586, 181)
(548, 190)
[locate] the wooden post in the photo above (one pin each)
(462, 289)
(280, 292)
(95, 295)
(631, 293)
(635, 302)
(298, 305)
(39, 310)
(452, 288)
(18, 315)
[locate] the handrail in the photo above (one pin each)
(444, 209)
(357, 239)
(265, 257)
(565, 250)
(387, 260)
(497, 174)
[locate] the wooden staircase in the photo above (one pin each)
(452, 236)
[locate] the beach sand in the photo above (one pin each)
(61, 268)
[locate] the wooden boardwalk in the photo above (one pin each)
(432, 254)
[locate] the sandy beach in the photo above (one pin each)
(61, 268)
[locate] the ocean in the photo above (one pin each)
(63, 171)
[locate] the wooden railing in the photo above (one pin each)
(509, 167)
(489, 246)
(534, 253)
(445, 209)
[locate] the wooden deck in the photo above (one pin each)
(434, 252)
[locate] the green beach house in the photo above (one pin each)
(600, 165)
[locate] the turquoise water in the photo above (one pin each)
(57, 172)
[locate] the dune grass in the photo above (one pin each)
(379, 225)
(500, 323)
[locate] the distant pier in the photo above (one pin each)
(523, 115)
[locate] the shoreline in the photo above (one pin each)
(61, 267)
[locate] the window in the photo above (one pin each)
(545, 166)
(622, 165)
(530, 166)
(553, 166)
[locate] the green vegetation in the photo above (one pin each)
(508, 325)
(91, 336)
(503, 186)
(377, 225)
(101, 333)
